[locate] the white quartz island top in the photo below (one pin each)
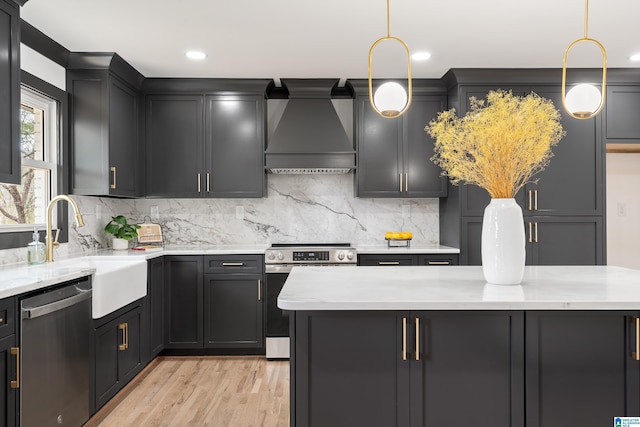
(459, 288)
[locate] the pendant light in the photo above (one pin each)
(584, 101)
(390, 99)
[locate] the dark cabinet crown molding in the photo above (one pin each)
(205, 85)
(420, 86)
(105, 61)
(41, 43)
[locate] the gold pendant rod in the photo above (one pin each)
(586, 19)
(389, 18)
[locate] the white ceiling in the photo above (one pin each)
(331, 38)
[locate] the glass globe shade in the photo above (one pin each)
(583, 100)
(390, 98)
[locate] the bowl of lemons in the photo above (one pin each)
(398, 238)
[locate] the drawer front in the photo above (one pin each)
(386, 260)
(7, 317)
(229, 264)
(435, 260)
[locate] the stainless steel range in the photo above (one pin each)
(279, 260)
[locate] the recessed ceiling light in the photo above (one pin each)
(193, 54)
(635, 57)
(421, 56)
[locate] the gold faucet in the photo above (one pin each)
(49, 242)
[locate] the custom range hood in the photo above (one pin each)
(308, 131)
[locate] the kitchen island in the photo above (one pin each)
(437, 346)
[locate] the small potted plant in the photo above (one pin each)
(122, 232)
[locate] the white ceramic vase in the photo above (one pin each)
(503, 242)
(120, 244)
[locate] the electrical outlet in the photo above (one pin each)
(622, 209)
(239, 212)
(406, 211)
(98, 212)
(155, 213)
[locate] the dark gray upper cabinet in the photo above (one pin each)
(234, 146)
(175, 145)
(620, 115)
(393, 158)
(106, 146)
(10, 93)
(205, 139)
(566, 199)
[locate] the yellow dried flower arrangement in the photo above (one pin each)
(498, 145)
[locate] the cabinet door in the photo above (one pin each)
(124, 153)
(620, 115)
(130, 359)
(572, 183)
(379, 155)
(183, 316)
(422, 177)
(8, 373)
(579, 369)
(155, 306)
(10, 157)
(233, 307)
(387, 260)
(349, 370)
(175, 133)
(234, 142)
(107, 341)
(471, 241)
(564, 241)
(470, 367)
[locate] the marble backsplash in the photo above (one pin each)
(297, 209)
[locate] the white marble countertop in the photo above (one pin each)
(413, 249)
(459, 288)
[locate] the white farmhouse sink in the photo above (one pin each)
(118, 281)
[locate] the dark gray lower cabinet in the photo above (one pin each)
(407, 259)
(214, 302)
(155, 307)
(233, 311)
(8, 363)
(580, 370)
(486, 368)
(564, 240)
(118, 352)
(8, 395)
(407, 369)
(183, 301)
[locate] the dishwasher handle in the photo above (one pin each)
(32, 313)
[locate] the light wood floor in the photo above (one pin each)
(211, 391)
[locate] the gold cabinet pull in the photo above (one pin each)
(404, 338)
(259, 291)
(535, 200)
(535, 238)
(417, 338)
(208, 182)
(113, 184)
(123, 344)
(232, 264)
(400, 182)
(530, 205)
(15, 351)
(388, 262)
(530, 232)
(636, 354)
(406, 182)
(199, 189)
(438, 262)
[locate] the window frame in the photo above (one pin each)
(18, 239)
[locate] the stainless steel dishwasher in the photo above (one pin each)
(55, 341)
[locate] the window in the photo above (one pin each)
(23, 207)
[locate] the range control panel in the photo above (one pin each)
(310, 256)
